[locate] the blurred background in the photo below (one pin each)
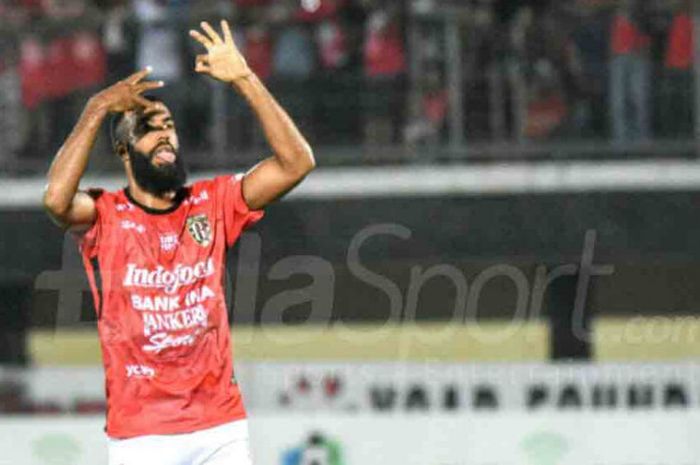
(496, 261)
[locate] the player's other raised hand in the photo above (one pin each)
(223, 60)
(126, 95)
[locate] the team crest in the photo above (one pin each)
(199, 228)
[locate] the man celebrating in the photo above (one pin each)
(155, 255)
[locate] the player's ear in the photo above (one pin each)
(121, 151)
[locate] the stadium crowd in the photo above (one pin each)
(537, 70)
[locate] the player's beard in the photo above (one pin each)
(157, 179)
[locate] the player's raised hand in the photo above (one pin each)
(223, 60)
(126, 95)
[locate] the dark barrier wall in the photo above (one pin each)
(484, 250)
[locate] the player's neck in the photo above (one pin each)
(150, 200)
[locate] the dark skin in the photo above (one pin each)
(160, 130)
(291, 161)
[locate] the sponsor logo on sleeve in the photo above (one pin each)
(197, 199)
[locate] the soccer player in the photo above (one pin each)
(154, 253)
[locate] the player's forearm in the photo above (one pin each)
(71, 161)
(288, 144)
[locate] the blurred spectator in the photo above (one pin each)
(118, 37)
(630, 73)
(332, 45)
(33, 85)
(544, 49)
(428, 125)
(385, 66)
(160, 46)
(677, 86)
(294, 63)
(73, 67)
(255, 39)
(338, 85)
(483, 51)
(32, 71)
(547, 108)
(88, 60)
(352, 19)
(60, 68)
(384, 46)
(258, 49)
(10, 101)
(590, 48)
(159, 43)
(293, 53)
(56, 64)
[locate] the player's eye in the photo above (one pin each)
(158, 127)
(142, 127)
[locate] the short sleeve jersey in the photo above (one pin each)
(157, 279)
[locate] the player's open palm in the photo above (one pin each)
(223, 60)
(126, 95)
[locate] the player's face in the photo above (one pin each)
(156, 136)
(155, 161)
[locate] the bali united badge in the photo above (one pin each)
(199, 228)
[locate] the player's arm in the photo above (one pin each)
(293, 158)
(68, 207)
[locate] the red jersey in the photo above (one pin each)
(157, 279)
(627, 37)
(384, 53)
(679, 52)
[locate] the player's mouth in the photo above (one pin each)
(165, 153)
